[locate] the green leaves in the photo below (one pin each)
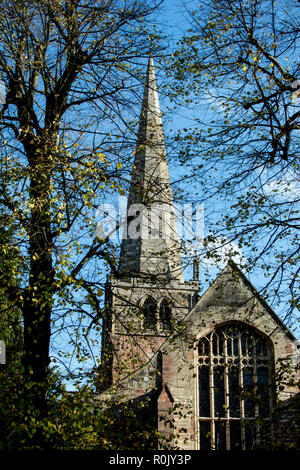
(66, 129)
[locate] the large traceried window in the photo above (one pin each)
(235, 389)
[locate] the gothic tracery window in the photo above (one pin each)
(235, 388)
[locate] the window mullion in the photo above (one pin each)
(159, 322)
(270, 392)
(211, 390)
(256, 412)
(226, 391)
(242, 401)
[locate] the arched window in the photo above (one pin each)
(235, 389)
(195, 299)
(165, 315)
(149, 313)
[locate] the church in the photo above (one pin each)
(200, 366)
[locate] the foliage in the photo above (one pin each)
(76, 420)
(238, 68)
(10, 331)
(71, 70)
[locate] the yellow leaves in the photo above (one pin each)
(101, 156)
(245, 68)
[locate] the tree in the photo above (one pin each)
(10, 331)
(71, 70)
(239, 61)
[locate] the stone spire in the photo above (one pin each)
(150, 243)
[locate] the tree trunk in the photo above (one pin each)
(38, 297)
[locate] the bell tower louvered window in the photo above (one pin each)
(235, 389)
(149, 313)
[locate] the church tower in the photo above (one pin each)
(200, 370)
(150, 296)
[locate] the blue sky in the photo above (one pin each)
(174, 22)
